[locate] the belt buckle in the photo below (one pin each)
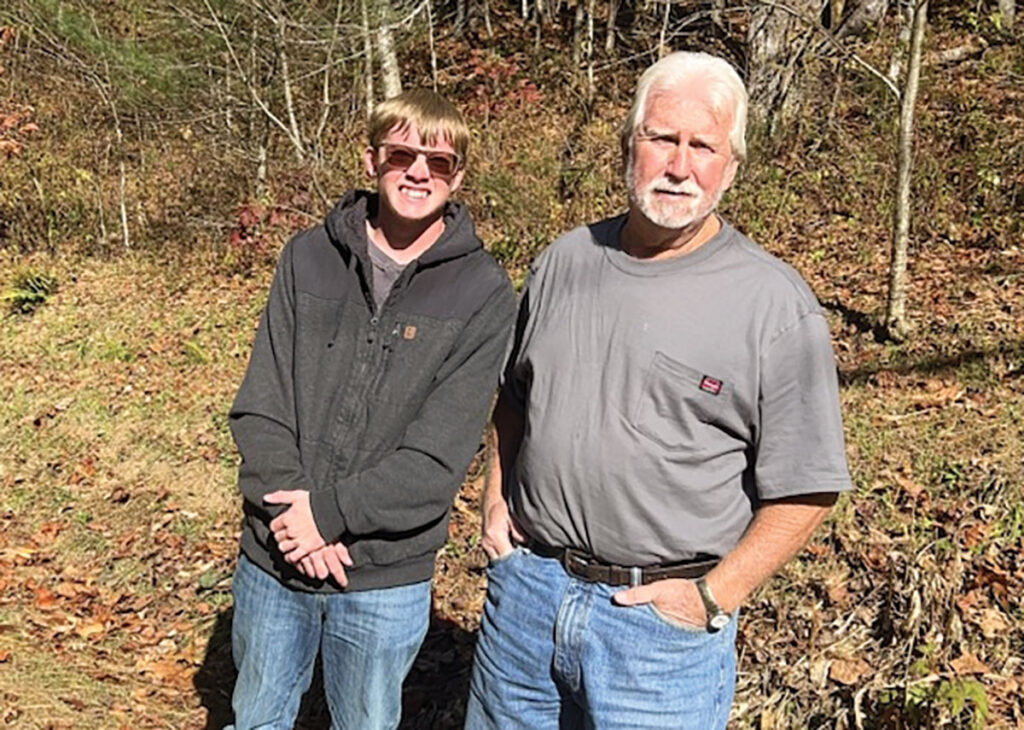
(636, 577)
(569, 559)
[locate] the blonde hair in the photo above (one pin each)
(728, 94)
(434, 117)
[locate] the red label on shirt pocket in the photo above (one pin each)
(711, 385)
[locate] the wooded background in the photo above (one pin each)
(154, 157)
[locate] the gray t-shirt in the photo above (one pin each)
(664, 399)
(385, 272)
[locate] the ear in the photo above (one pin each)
(370, 161)
(730, 173)
(456, 182)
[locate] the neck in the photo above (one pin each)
(644, 240)
(403, 241)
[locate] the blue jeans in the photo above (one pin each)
(367, 641)
(555, 652)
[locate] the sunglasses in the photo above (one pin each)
(440, 164)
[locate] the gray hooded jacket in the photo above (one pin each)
(376, 414)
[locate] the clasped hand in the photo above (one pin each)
(300, 541)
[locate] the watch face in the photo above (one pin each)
(719, 621)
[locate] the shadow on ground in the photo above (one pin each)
(433, 696)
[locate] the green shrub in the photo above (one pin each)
(29, 290)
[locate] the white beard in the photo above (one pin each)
(673, 215)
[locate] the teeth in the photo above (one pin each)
(417, 194)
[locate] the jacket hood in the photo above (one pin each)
(346, 227)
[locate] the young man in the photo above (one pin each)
(668, 437)
(369, 383)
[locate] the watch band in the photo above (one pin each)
(717, 618)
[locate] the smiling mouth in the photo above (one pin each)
(414, 193)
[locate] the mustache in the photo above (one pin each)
(686, 187)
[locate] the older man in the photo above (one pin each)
(668, 436)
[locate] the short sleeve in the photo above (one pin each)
(800, 448)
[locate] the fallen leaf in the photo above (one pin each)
(848, 671)
(967, 663)
(67, 590)
(45, 600)
(4, 656)
(94, 628)
(992, 623)
(909, 486)
(838, 593)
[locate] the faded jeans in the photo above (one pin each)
(367, 641)
(555, 652)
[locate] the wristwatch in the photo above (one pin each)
(717, 618)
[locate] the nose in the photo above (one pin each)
(678, 164)
(418, 170)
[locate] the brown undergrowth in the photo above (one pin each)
(120, 517)
(118, 514)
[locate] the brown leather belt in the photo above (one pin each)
(586, 567)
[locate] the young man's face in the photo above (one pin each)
(682, 161)
(414, 181)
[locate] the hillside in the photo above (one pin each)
(117, 502)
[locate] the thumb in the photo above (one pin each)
(635, 596)
(279, 497)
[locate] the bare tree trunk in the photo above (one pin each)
(388, 59)
(609, 34)
(835, 13)
(776, 39)
(122, 188)
(487, 19)
(862, 15)
(368, 52)
(718, 13)
(589, 51)
(663, 36)
(1007, 9)
(577, 33)
(433, 52)
(261, 161)
(896, 311)
(289, 100)
(325, 97)
(899, 51)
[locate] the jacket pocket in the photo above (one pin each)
(676, 403)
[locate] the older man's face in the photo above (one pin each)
(682, 161)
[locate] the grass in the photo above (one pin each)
(118, 500)
(118, 512)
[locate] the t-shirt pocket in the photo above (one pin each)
(676, 404)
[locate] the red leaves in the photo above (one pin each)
(15, 124)
(259, 230)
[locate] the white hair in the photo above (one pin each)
(725, 88)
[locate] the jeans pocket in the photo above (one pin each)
(675, 623)
(502, 559)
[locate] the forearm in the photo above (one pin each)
(270, 460)
(777, 533)
(503, 441)
(263, 414)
